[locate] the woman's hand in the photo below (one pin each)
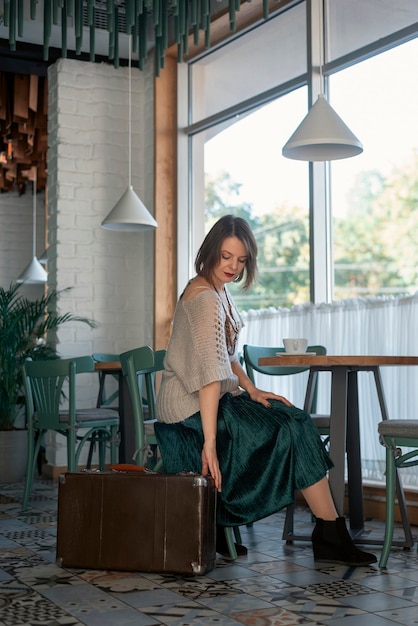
(208, 403)
(257, 395)
(210, 463)
(263, 397)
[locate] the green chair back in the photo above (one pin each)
(45, 385)
(44, 382)
(253, 353)
(139, 366)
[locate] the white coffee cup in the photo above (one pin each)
(295, 345)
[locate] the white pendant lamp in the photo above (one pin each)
(129, 213)
(322, 135)
(34, 273)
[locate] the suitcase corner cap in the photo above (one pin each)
(199, 568)
(200, 481)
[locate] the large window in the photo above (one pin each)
(374, 196)
(245, 101)
(245, 174)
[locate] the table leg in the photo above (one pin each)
(126, 422)
(355, 480)
(310, 391)
(337, 441)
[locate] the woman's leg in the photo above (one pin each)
(331, 540)
(319, 500)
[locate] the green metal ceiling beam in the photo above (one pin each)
(187, 17)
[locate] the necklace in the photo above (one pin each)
(232, 327)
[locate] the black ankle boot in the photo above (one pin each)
(332, 543)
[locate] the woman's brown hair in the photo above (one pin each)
(209, 253)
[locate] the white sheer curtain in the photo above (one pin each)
(360, 326)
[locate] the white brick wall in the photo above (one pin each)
(88, 172)
(111, 273)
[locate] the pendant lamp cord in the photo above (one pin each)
(34, 214)
(321, 46)
(129, 111)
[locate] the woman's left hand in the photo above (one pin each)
(257, 395)
(263, 397)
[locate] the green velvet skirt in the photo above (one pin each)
(265, 455)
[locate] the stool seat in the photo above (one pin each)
(398, 428)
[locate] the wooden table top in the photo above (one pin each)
(329, 360)
(101, 366)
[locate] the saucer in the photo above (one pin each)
(295, 353)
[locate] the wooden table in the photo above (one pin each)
(344, 424)
(126, 419)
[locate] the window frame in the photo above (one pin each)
(190, 231)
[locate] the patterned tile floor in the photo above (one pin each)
(275, 585)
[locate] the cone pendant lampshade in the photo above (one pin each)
(322, 136)
(34, 273)
(129, 213)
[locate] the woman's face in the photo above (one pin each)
(232, 261)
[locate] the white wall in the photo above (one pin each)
(16, 236)
(110, 273)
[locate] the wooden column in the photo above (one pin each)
(165, 262)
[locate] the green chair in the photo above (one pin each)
(45, 389)
(139, 366)
(251, 355)
(393, 434)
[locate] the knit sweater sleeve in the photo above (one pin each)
(208, 359)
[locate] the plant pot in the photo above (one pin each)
(13, 451)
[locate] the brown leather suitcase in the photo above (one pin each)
(137, 522)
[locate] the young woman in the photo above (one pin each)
(258, 448)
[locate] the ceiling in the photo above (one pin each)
(23, 79)
(39, 43)
(37, 30)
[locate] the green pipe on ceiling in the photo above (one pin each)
(55, 12)
(12, 25)
(64, 29)
(33, 4)
(92, 55)
(90, 13)
(20, 13)
(47, 27)
(188, 16)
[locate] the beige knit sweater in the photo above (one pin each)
(196, 356)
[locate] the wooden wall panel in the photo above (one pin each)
(165, 264)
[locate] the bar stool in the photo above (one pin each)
(392, 435)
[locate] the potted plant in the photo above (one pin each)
(25, 331)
